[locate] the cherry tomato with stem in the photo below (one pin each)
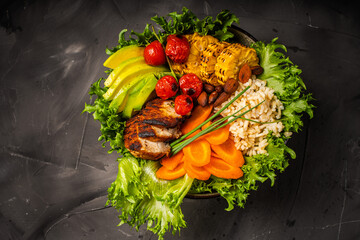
(154, 54)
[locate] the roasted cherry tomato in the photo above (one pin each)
(177, 48)
(154, 54)
(191, 85)
(183, 104)
(166, 87)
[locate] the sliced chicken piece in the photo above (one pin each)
(162, 113)
(147, 134)
(157, 134)
(152, 132)
(147, 149)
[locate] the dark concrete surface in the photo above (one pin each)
(54, 173)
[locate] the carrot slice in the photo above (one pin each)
(222, 169)
(165, 173)
(198, 116)
(213, 154)
(218, 136)
(193, 134)
(172, 162)
(245, 73)
(196, 172)
(228, 152)
(206, 125)
(198, 152)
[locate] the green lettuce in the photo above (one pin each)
(142, 197)
(112, 125)
(284, 77)
(179, 23)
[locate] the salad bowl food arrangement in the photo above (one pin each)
(198, 109)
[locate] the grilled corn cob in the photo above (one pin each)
(208, 60)
(231, 59)
(197, 46)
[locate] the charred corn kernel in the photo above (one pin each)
(231, 59)
(208, 60)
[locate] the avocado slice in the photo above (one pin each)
(123, 54)
(130, 82)
(127, 75)
(123, 65)
(139, 94)
(146, 91)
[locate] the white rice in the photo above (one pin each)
(250, 137)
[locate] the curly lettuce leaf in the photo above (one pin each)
(142, 197)
(141, 39)
(128, 186)
(284, 77)
(187, 23)
(179, 23)
(112, 125)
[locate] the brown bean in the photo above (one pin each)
(222, 98)
(257, 70)
(219, 89)
(203, 99)
(209, 88)
(231, 85)
(213, 96)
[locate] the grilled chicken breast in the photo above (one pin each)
(147, 134)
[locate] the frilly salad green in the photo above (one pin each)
(143, 198)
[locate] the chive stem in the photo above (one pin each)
(167, 59)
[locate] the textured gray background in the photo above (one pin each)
(54, 173)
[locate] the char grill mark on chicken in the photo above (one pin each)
(157, 134)
(147, 134)
(161, 113)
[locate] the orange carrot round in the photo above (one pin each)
(213, 154)
(172, 162)
(228, 152)
(167, 174)
(198, 116)
(193, 134)
(197, 153)
(222, 169)
(196, 172)
(218, 136)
